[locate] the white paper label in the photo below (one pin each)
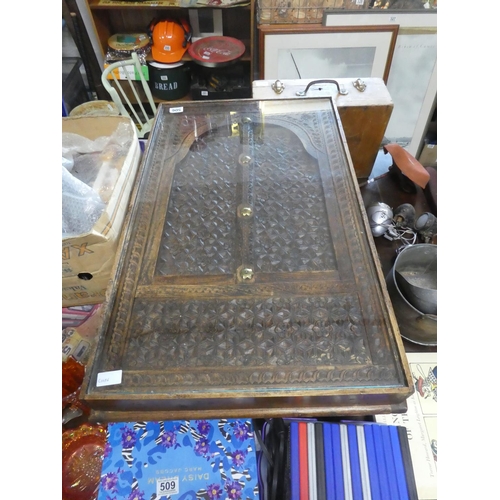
(204, 92)
(109, 378)
(179, 109)
(167, 486)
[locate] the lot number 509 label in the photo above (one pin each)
(167, 486)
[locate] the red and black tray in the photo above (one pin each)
(216, 51)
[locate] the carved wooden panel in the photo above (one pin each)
(247, 282)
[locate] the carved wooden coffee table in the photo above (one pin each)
(248, 284)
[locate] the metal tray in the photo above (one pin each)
(248, 284)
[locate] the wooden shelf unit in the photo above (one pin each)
(110, 17)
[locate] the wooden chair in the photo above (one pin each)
(126, 94)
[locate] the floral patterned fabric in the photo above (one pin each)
(180, 460)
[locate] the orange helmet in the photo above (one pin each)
(171, 38)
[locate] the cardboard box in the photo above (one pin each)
(78, 292)
(88, 259)
(80, 327)
(211, 459)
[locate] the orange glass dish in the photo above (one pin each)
(72, 377)
(82, 456)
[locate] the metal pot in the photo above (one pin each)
(416, 276)
(412, 286)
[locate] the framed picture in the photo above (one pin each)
(413, 87)
(302, 51)
(403, 18)
(205, 22)
(412, 80)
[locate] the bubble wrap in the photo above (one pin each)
(86, 190)
(81, 206)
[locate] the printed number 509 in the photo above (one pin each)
(167, 486)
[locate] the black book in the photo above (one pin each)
(320, 461)
(408, 465)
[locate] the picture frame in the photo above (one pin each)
(305, 51)
(205, 22)
(413, 87)
(423, 18)
(412, 80)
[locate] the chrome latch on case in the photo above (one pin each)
(359, 85)
(278, 86)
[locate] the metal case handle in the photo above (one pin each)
(341, 91)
